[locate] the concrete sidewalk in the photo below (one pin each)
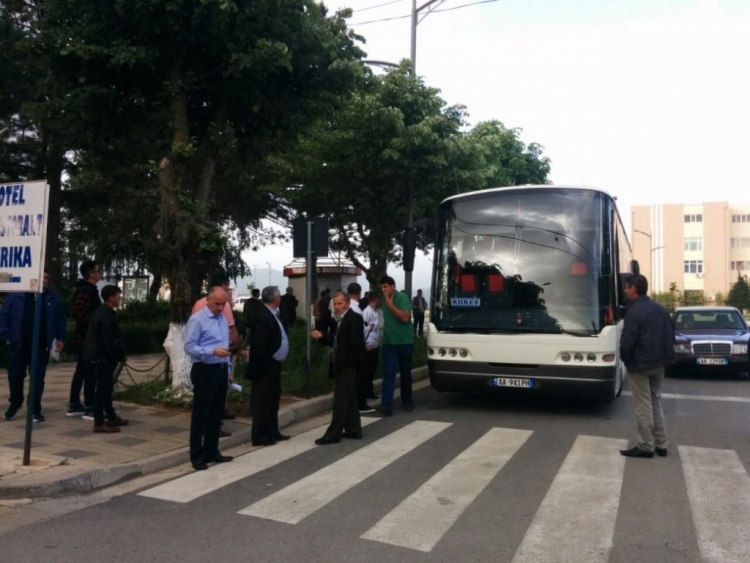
(68, 458)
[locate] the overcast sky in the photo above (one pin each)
(647, 99)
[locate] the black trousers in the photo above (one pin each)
(418, 322)
(209, 395)
(345, 411)
(265, 396)
(19, 362)
(366, 375)
(104, 377)
(83, 376)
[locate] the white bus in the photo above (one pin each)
(527, 292)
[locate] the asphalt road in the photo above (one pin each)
(462, 478)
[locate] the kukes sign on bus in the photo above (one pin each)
(23, 224)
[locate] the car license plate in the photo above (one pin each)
(512, 382)
(712, 361)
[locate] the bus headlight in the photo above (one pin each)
(578, 357)
(431, 351)
(739, 349)
(452, 352)
(565, 357)
(463, 353)
(591, 358)
(441, 352)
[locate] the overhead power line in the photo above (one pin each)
(409, 15)
(376, 6)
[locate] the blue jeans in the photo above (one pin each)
(19, 362)
(397, 358)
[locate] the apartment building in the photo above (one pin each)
(699, 247)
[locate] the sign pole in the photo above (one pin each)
(31, 399)
(310, 299)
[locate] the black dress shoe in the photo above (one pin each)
(218, 458)
(264, 442)
(281, 437)
(661, 452)
(200, 466)
(326, 439)
(226, 415)
(353, 435)
(637, 452)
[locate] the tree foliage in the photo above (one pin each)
(739, 294)
(396, 137)
(183, 101)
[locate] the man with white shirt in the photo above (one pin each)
(269, 347)
(371, 321)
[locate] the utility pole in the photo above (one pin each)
(415, 10)
(269, 272)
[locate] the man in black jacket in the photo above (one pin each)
(646, 347)
(269, 347)
(348, 341)
(85, 301)
(288, 309)
(103, 351)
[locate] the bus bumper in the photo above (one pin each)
(589, 382)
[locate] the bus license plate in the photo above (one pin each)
(712, 361)
(512, 382)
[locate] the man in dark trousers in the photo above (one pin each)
(646, 347)
(347, 338)
(85, 301)
(288, 309)
(17, 329)
(103, 351)
(269, 347)
(418, 307)
(207, 344)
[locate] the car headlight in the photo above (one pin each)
(739, 349)
(682, 348)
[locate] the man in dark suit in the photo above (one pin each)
(288, 308)
(269, 347)
(347, 338)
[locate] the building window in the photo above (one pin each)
(694, 218)
(740, 265)
(693, 243)
(693, 266)
(743, 242)
(742, 218)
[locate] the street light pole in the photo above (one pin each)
(652, 249)
(269, 272)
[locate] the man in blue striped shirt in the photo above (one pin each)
(207, 343)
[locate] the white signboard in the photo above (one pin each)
(23, 228)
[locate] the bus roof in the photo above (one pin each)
(525, 187)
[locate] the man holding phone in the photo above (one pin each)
(207, 343)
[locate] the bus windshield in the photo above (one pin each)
(525, 260)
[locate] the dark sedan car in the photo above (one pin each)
(711, 338)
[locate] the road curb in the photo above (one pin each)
(101, 477)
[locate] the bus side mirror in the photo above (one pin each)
(635, 267)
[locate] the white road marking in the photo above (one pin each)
(199, 483)
(700, 397)
(719, 491)
(423, 518)
(576, 521)
(304, 497)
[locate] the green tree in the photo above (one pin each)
(395, 137)
(739, 294)
(189, 97)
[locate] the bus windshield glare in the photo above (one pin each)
(526, 260)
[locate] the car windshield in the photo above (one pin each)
(710, 319)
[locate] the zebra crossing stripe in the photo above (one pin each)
(195, 485)
(576, 520)
(719, 492)
(423, 518)
(299, 500)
